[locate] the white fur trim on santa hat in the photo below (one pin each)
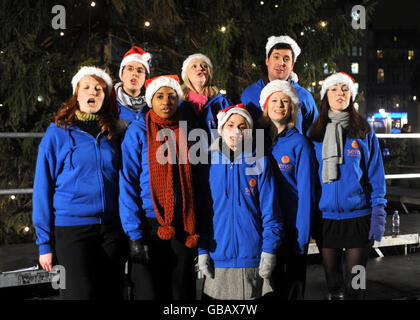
(339, 77)
(158, 83)
(89, 71)
(225, 114)
(293, 76)
(278, 85)
(273, 40)
(195, 56)
(140, 58)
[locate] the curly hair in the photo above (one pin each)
(358, 126)
(66, 115)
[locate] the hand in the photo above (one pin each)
(139, 251)
(377, 223)
(267, 264)
(205, 265)
(45, 260)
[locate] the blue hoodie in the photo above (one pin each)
(135, 200)
(208, 116)
(243, 217)
(307, 111)
(130, 115)
(362, 180)
(76, 181)
(296, 173)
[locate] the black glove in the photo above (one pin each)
(139, 251)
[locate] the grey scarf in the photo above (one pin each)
(133, 103)
(332, 147)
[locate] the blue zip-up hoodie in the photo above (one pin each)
(135, 199)
(296, 173)
(76, 181)
(208, 117)
(361, 185)
(130, 115)
(243, 216)
(307, 110)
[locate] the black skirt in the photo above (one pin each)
(347, 233)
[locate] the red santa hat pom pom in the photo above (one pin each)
(192, 241)
(136, 54)
(166, 232)
(224, 115)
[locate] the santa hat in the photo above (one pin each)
(340, 77)
(91, 71)
(278, 85)
(273, 40)
(154, 84)
(225, 114)
(195, 56)
(138, 55)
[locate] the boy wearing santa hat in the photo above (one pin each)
(134, 70)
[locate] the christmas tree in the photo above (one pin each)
(43, 43)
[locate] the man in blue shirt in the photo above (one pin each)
(134, 70)
(281, 55)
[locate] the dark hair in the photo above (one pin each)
(143, 88)
(280, 46)
(66, 115)
(358, 126)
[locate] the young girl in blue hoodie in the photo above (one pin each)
(157, 206)
(75, 197)
(352, 181)
(242, 227)
(295, 168)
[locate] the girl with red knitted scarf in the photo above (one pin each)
(156, 197)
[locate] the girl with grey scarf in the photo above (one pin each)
(352, 185)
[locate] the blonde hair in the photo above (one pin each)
(292, 118)
(209, 90)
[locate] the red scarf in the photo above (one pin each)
(161, 178)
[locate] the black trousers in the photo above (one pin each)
(93, 257)
(170, 274)
(289, 275)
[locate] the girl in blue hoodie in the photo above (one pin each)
(201, 99)
(75, 197)
(352, 181)
(241, 228)
(296, 175)
(157, 206)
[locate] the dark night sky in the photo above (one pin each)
(396, 14)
